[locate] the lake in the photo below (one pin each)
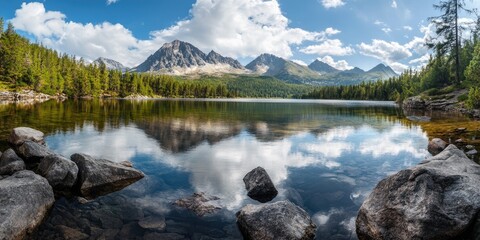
(325, 156)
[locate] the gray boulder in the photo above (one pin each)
(437, 199)
(98, 177)
(436, 146)
(25, 198)
(10, 163)
(259, 185)
(32, 152)
(279, 220)
(21, 134)
(60, 172)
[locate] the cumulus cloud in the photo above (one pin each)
(236, 28)
(340, 65)
(111, 1)
(329, 47)
(388, 52)
(408, 28)
(83, 40)
(332, 3)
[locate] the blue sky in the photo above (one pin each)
(343, 33)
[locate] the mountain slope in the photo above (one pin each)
(321, 67)
(382, 71)
(271, 65)
(182, 58)
(110, 64)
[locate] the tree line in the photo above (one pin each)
(455, 65)
(33, 66)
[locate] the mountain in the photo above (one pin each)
(354, 70)
(110, 64)
(179, 58)
(271, 65)
(215, 58)
(383, 71)
(321, 67)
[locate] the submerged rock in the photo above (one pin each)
(436, 146)
(437, 199)
(60, 172)
(10, 163)
(154, 223)
(25, 199)
(21, 134)
(199, 203)
(98, 177)
(259, 185)
(33, 152)
(279, 220)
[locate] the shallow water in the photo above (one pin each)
(325, 156)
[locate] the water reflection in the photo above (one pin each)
(324, 157)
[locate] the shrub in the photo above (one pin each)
(473, 100)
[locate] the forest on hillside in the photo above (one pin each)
(455, 65)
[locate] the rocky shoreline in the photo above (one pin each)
(32, 177)
(447, 103)
(28, 97)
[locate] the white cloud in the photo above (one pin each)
(83, 40)
(379, 23)
(329, 47)
(420, 62)
(340, 65)
(332, 3)
(386, 30)
(300, 62)
(408, 28)
(394, 4)
(388, 52)
(238, 28)
(235, 28)
(111, 1)
(332, 31)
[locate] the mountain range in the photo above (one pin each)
(182, 58)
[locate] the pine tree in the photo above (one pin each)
(448, 28)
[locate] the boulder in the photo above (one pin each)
(10, 163)
(98, 177)
(32, 152)
(259, 185)
(199, 203)
(436, 146)
(60, 172)
(279, 220)
(437, 199)
(21, 134)
(154, 223)
(25, 198)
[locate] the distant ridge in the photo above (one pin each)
(110, 64)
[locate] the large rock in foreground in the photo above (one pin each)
(259, 185)
(98, 177)
(25, 199)
(10, 163)
(33, 152)
(21, 134)
(438, 199)
(279, 220)
(60, 172)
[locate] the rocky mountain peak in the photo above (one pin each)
(110, 64)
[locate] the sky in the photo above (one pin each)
(342, 33)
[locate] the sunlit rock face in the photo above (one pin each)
(437, 199)
(26, 199)
(99, 177)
